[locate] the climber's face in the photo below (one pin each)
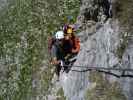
(68, 36)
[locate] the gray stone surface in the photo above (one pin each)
(99, 42)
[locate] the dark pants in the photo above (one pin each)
(57, 70)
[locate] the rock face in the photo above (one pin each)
(100, 39)
(103, 44)
(127, 62)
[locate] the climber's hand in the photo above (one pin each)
(67, 56)
(55, 62)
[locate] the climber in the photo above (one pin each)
(63, 47)
(70, 38)
(56, 51)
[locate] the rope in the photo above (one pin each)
(102, 69)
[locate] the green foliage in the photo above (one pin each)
(24, 27)
(60, 94)
(104, 90)
(15, 52)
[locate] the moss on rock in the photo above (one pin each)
(60, 94)
(123, 45)
(104, 90)
(123, 11)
